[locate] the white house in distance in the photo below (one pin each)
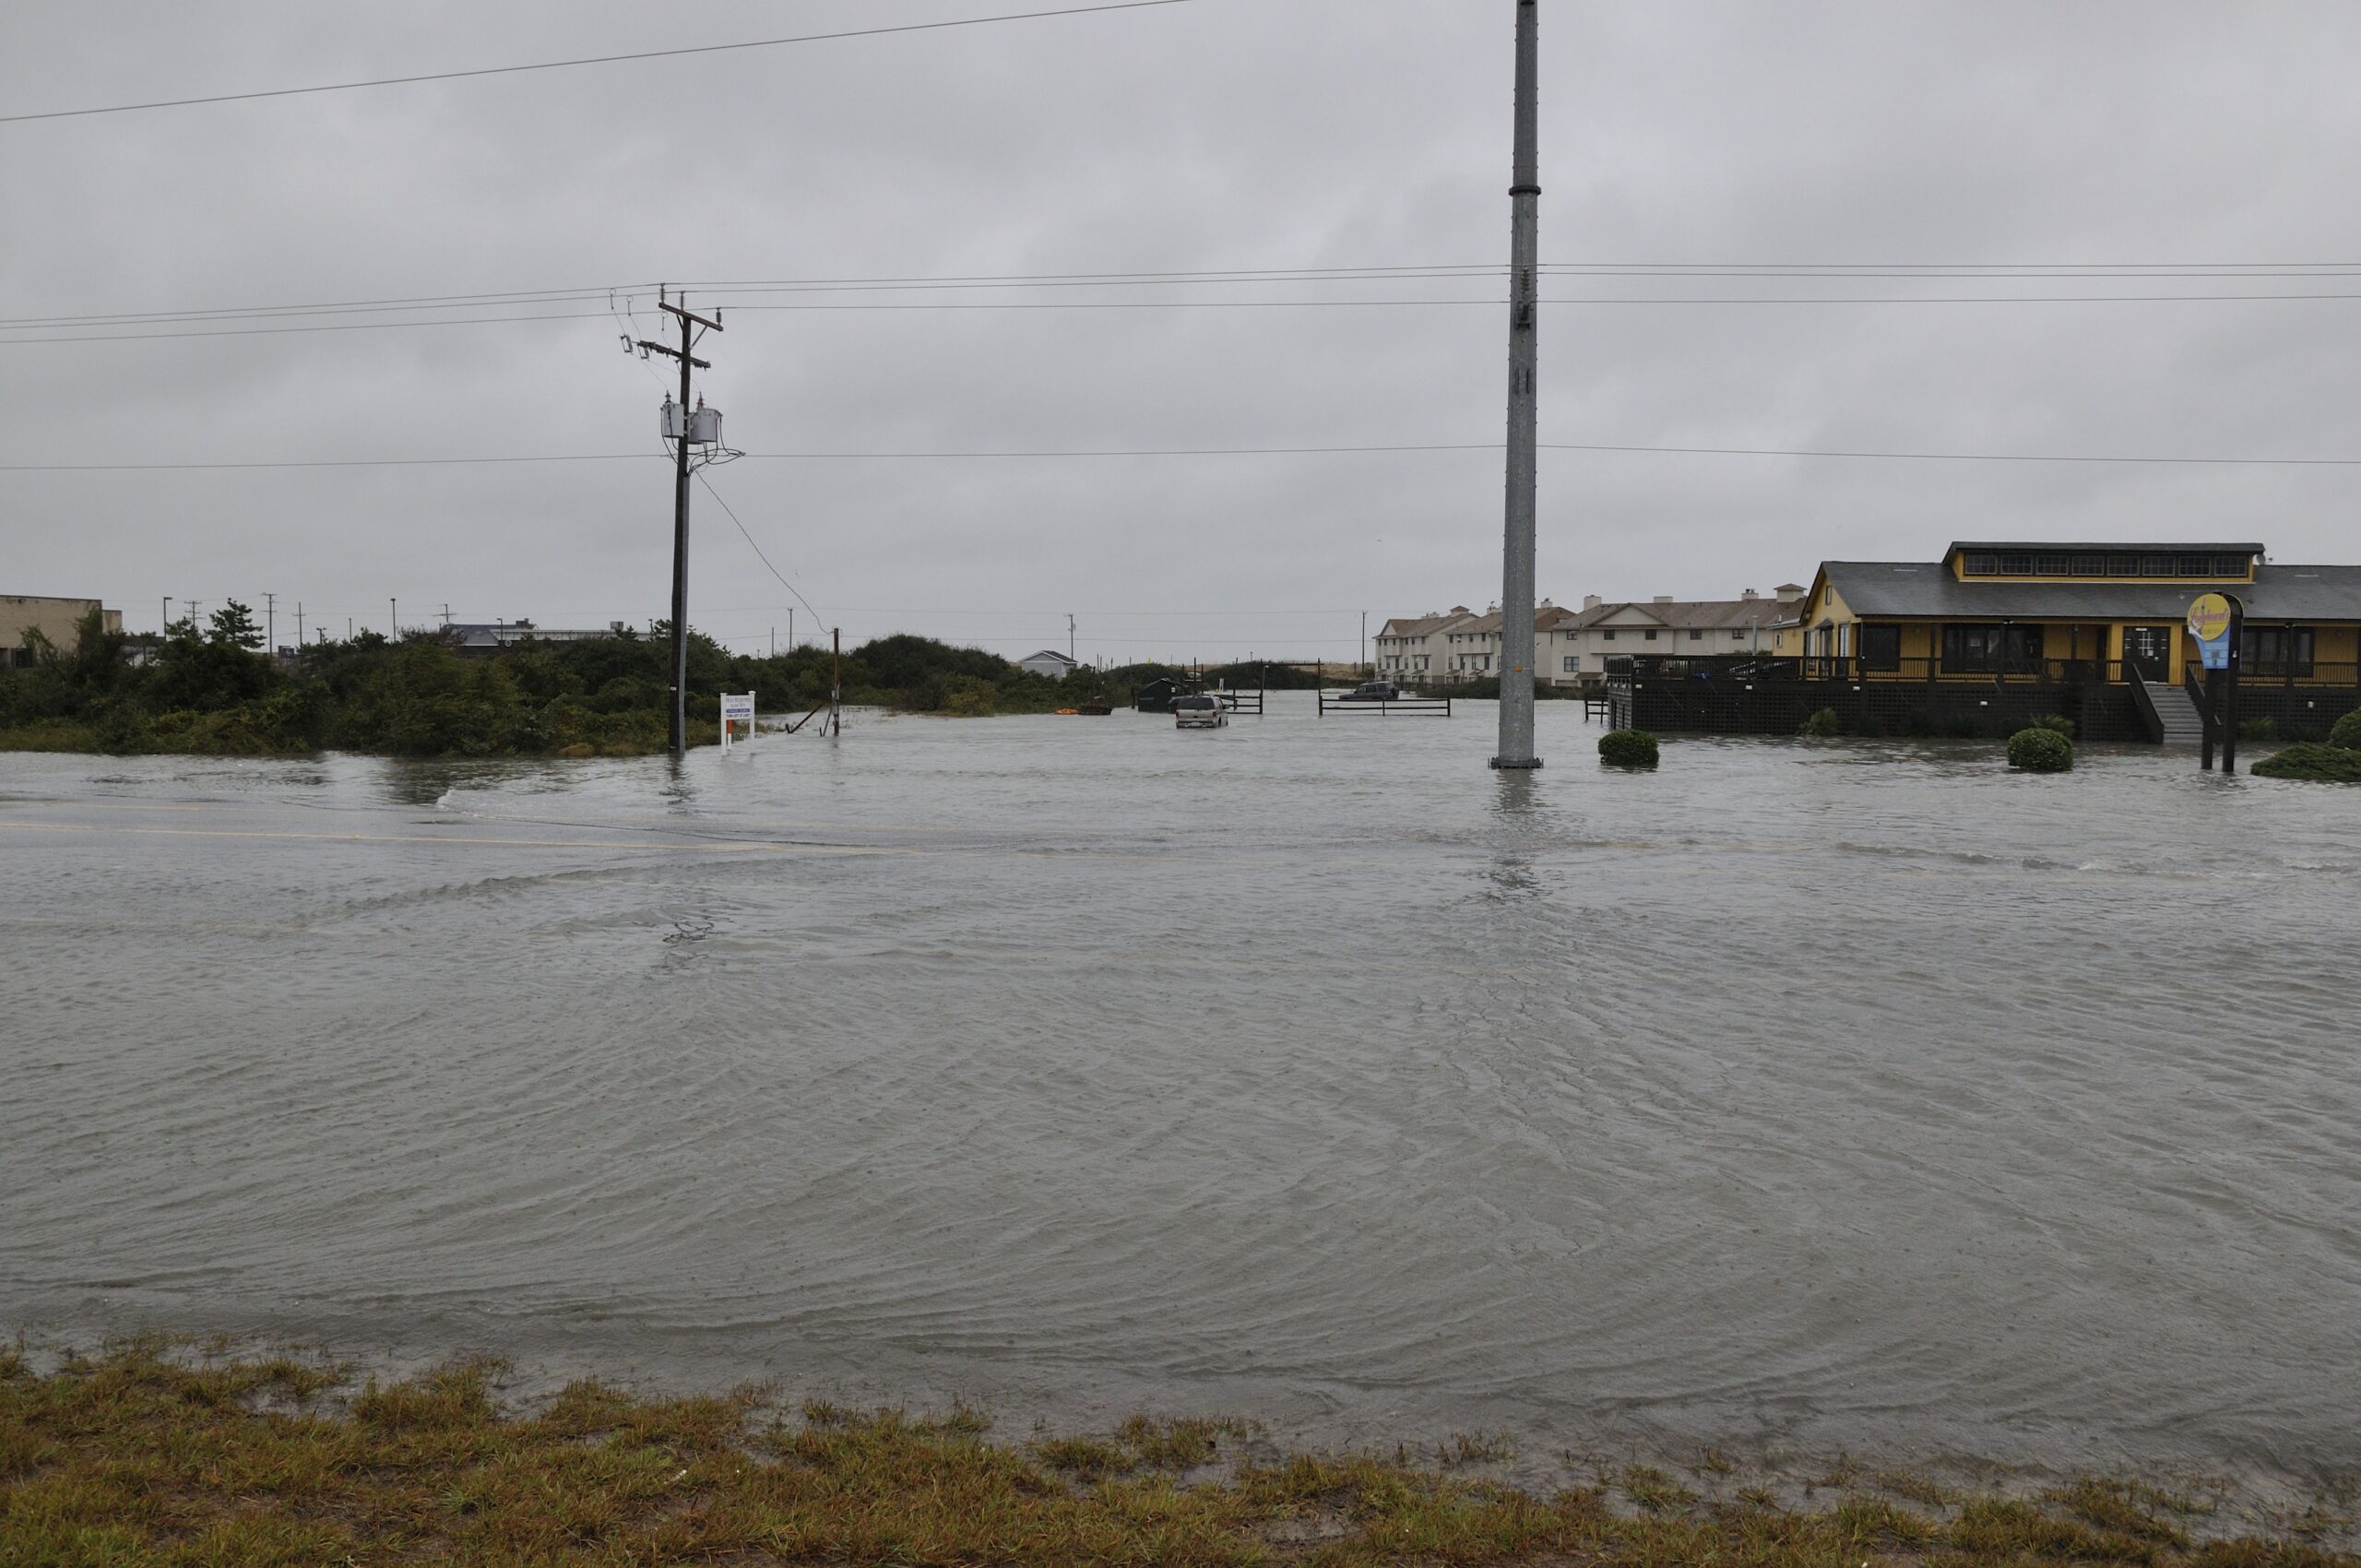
(1050, 662)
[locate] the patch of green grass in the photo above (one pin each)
(137, 1457)
(1084, 1458)
(1654, 1492)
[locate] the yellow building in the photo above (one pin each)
(59, 619)
(2076, 614)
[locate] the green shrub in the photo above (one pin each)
(2056, 721)
(1627, 748)
(2040, 751)
(2264, 728)
(2347, 733)
(1824, 722)
(2327, 764)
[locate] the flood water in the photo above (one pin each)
(1848, 1094)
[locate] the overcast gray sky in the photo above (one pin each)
(1216, 133)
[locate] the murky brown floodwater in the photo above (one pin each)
(1846, 1094)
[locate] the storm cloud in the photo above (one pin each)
(2126, 138)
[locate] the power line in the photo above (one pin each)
(1089, 453)
(1996, 272)
(757, 549)
(588, 60)
(1251, 304)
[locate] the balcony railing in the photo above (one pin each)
(1742, 670)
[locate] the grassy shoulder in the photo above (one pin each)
(143, 1457)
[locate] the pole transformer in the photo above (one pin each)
(681, 469)
(1524, 404)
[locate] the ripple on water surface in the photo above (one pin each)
(1841, 1093)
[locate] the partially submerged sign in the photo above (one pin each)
(737, 708)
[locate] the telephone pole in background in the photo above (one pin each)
(1069, 639)
(299, 623)
(1525, 403)
(683, 439)
(393, 617)
(270, 620)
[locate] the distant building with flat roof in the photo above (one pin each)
(59, 619)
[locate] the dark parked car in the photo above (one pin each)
(1373, 691)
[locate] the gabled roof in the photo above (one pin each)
(1420, 625)
(1699, 614)
(1048, 653)
(1928, 589)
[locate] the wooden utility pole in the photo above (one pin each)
(836, 683)
(681, 470)
(1525, 403)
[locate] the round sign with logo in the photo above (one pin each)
(2209, 618)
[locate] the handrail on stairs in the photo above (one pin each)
(2146, 701)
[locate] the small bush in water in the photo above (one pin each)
(2056, 721)
(1627, 748)
(2347, 733)
(2040, 751)
(1824, 722)
(2326, 765)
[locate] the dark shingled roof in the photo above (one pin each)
(1928, 588)
(2051, 547)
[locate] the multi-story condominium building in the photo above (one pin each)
(1456, 646)
(1672, 628)
(1410, 648)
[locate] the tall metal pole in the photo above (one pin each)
(1525, 403)
(680, 555)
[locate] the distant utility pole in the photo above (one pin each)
(1365, 639)
(689, 362)
(270, 620)
(299, 623)
(1069, 639)
(1525, 403)
(836, 684)
(791, 628)
(393, 617)
(447, 616)
(168, 613)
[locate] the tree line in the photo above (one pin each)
(210, 689)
